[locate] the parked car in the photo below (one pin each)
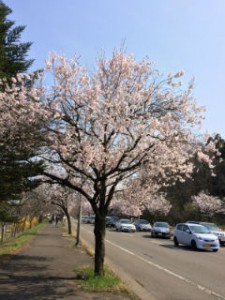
(142, 225)
(195, 235)
(85, 219)
(88, 219)
(213, 228)
(91, 219)
(161, 229)
(125, 225)
(111, 221)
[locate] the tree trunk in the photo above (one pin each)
(24, 223)
(31, 220)
(78, 224)
(3, 233)
(40, 219)
(12, 230)
(16, 230)
(99, 232)
(68, 221)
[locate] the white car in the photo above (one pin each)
(125, 225)
(195, 235)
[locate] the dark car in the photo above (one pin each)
(111, 221)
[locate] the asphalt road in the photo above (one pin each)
(163, 271)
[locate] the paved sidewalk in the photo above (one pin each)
(44, 271)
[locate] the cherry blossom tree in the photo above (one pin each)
(207, 204)
(157, 204)
(107, 124)
(60, 197)
(104, 126)
(122, 206)
(32, 207)
(140, 196)
(86, 207)
(22, 118)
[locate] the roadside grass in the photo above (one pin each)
(12, 246)
(109, 282)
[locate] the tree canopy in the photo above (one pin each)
(104, 127)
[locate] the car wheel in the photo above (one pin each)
(193, 245)
(176, 243)
(152, 235)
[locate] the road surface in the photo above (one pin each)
(162, 270)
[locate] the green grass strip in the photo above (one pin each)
(107, 283)
(12, 246)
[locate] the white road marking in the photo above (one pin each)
(157, 243)
(200, 287)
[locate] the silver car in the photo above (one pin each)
(142, 225)
(161, 229)
(125, 225)
(213, 228)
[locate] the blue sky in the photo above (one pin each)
(186, 35)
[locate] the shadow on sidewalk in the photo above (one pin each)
(17, 283)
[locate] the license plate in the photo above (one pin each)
(207, 246)
(159, 234)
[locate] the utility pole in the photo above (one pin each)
(79, 223)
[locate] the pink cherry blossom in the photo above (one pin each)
(207, 204)
(101, 127)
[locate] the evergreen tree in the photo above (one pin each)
(12, 52)
(16, 166)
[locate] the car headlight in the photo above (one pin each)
(200, 238)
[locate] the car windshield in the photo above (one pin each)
(199, 229)
(125, 221)
(161, 224)
(211, 227)
(143, 221)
